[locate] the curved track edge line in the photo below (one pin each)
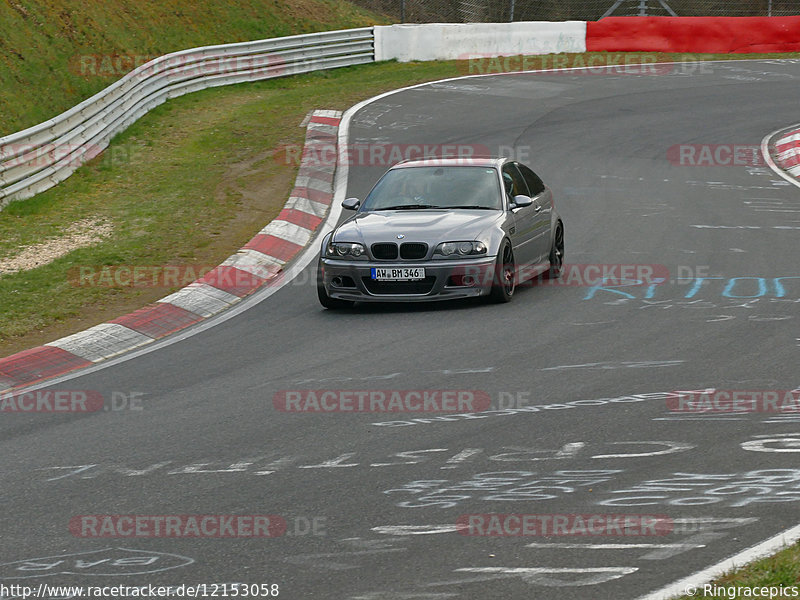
(766, 548)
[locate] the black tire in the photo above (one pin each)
(505, 277)
(324, 299)
(557, 254)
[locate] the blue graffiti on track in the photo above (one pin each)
(738, 288)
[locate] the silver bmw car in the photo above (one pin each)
(443, 228)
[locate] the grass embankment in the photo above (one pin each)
(55, 53)
(189, 183)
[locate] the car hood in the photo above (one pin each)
(429, 226)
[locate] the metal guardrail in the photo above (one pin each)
(41, 156)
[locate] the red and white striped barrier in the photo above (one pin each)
(718, 35)
(787, 152)
(258, 263)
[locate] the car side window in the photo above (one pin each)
(518, 185)
(535, 184)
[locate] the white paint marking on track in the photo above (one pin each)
(581, 366)
(328, 560)
(462, 456)
(568, 546)
(394, 595)
(790, 442)
(537, 570)
(621, 365)
(333, 463)
(466, 371)
(765, 548)
(277, 465)
(557, 576)
(671, 448)
(742, 227)
(75, 470)
(687, 418)
(415, 529)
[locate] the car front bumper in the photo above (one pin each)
(351, 280)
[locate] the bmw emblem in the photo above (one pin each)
(400, 237)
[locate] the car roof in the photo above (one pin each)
(454, 161)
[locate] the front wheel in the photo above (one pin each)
(322, 294)
(504, 282)
(557, 254)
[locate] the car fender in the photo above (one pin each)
(493, 237)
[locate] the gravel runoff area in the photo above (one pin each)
(80, 234)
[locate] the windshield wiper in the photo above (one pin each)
(474, 207)
(407, 207)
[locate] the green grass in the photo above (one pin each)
(780, 570)
(175, 191)
(48, 48)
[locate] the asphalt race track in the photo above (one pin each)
(371, 500)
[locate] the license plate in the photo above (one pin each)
(398, 274)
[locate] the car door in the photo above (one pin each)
(543, 209)
(524, 218)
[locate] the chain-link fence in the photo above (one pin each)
(494, 11)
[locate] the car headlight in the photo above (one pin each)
(344, 250)
(461, 249)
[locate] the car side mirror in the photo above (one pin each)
(521, 201)
(351, 204)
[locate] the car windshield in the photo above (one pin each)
(450, 187)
